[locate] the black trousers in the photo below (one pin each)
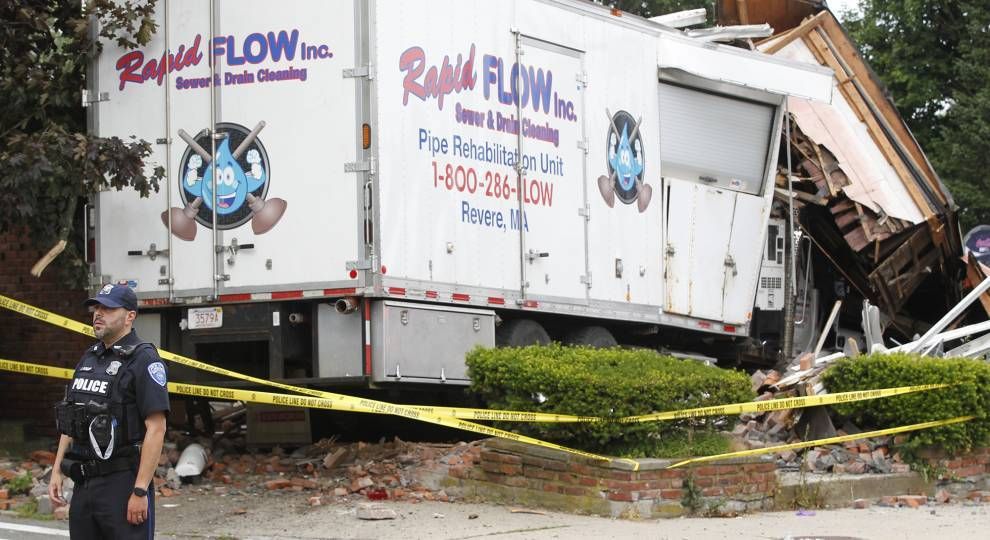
(99, 509)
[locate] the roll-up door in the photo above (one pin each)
(714, 139)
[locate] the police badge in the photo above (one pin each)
(113, 367)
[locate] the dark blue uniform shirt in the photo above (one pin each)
(142, 381)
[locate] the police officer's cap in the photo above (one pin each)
(115, 296)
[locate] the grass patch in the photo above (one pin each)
(29, 510)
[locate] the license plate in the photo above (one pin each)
(211, 317)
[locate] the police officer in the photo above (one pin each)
(112, 423)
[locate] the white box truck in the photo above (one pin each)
(361, 191)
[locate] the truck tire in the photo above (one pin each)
(591, 336)
(520, 333)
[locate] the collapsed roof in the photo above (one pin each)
(869, 198)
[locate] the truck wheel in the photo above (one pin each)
(591, 336)
(520, 333)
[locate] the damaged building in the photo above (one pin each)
(872, 221)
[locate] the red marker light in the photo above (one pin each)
(353, 274)
(384, 270)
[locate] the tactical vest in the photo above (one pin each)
(94, 412)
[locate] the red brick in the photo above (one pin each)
(615, 484)
(510, 470)
(588, 481)
(555, 465)
(620, 475)
(912, 501)
(534, 461)
(533, 472)
(43, 457)
(888, 500)
(675, 494)
(567, 478)
(280, 483)
(622, 496)
(972, 470)
(575, 490)
(4, 493)
(731, 480)
(712, 492)
(582, 469)
(489, 455)
(704, 482)
(304, 483)
(709, 470)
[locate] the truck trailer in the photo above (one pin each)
(359, 192)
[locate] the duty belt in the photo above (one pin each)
(82, 470)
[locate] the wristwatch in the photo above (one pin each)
(140, 492)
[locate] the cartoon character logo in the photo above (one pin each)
(626, 162)
(242, 179)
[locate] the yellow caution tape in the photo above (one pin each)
(452, 412)
(351, 404)
(821, 442)
(35, 369)
(497, 415)
(348, 402)
(784, 403)
(450, 417)
(372, 406)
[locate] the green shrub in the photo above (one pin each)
(610, 383)
(969, 395)
(20, 484)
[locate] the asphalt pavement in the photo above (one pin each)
(23, 529)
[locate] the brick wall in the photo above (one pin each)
(518, 473)
(973, 464)
(27, 340)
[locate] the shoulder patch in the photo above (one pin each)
(157, 372)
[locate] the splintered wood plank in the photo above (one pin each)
(743, 11)
(845, 219)
(832, 190)
(842, 205)
(864, 221)
(798, 32)
(856, 239)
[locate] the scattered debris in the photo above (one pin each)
(192, 461)
(375, 512)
